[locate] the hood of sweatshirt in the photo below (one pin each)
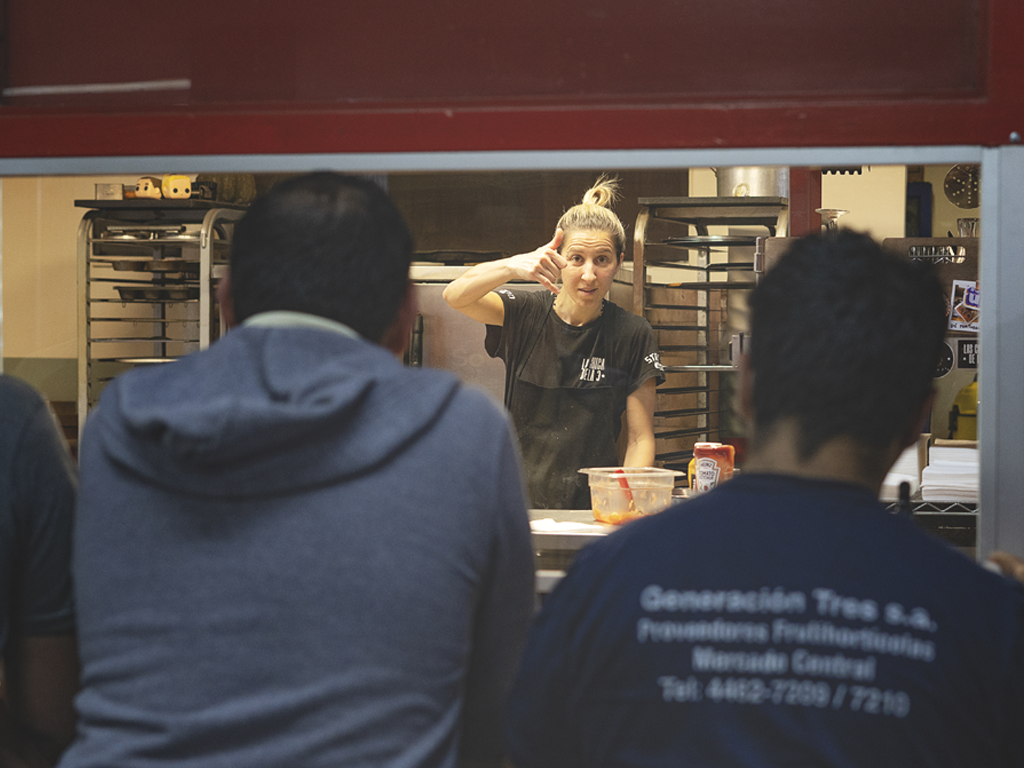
(266, 411)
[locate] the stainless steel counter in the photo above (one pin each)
(568, 529)
(558, 534)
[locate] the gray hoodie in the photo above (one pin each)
(293, 551)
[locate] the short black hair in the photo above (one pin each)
(325, 244)
(846, 339)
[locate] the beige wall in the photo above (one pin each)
(40, 228)
(876, 199)
(40, 225)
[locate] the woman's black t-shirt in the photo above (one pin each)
(566, 389)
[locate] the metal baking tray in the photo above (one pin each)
(156, 265)
(718, 266)
(157, 294)
(708, 241)
(148, 233)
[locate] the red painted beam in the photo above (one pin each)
(67, 133)
(271, 92)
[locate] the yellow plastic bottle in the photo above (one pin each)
(963, 416)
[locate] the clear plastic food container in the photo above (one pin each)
(621, 494)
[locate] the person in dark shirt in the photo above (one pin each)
(575, 363)
(37, 620)
(786, 617)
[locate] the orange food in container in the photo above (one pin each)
(621, 494)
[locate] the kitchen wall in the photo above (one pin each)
(875, 198)
(944, 213)
(506, 211)
(38, 254)
(513, 211)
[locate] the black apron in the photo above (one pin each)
(561, 431)
(565, 408)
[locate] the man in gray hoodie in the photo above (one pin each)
(290, 549)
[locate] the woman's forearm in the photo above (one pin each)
(477, 282)
(543, 265)
(640, 453)
(640, 444)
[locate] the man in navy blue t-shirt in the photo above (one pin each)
(786, 618)
(38, 483)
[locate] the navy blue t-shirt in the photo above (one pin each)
(774, 622)
(37, 498)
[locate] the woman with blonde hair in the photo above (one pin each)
(574, 362)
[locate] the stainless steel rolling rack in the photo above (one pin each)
(689, 314)
(147, 270)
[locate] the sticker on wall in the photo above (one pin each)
(967, 354)
(965, 303)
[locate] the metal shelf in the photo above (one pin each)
(684, 368)
(165, 274)
(690, 315)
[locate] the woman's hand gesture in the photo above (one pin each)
(543, 265)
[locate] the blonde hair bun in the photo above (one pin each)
(604, 192)
(594, 214)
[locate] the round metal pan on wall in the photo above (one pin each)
(962, 186)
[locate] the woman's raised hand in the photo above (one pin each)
(543, 265)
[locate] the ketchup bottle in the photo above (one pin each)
(711, 466)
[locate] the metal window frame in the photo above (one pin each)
(1001, 379)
